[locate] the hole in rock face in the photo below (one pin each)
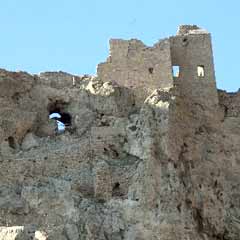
(116, 186)
(11, 142)
(150, 70)
(105, 150)
(63, 119)
(133, 128)
(179, 207)
(117, 191)
(66, 119)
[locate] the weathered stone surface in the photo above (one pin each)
(30, 141)
(102, 181)
(145, 155)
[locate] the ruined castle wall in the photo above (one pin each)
(134, 65)
(166, 169)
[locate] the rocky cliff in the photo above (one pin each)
(165, 167)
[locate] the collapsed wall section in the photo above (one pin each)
(134, 65)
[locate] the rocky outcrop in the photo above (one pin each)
(165, 167)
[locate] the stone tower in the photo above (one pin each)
(191, 51)
(134, 65)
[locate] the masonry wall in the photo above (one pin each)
(188, 51)
(134, 65)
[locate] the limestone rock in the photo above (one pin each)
(145, 154)
(39, 235)
(83, 120)
(30, 141)
(72, 232)
(11, 233)
(48, 129)
(102, 181)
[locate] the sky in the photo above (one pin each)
(73, 35)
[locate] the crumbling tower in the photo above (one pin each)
(191, 52)
(134, 65)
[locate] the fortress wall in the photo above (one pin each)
(134, 65)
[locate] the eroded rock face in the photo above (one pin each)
(127, 166)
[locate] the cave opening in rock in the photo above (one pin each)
(63, 119)
(57, 117)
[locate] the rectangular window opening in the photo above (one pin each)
(200, 71)
(175, 71)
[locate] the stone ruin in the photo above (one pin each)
(149, 150)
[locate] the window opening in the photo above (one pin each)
(185, 41)
(200, 71)
(11, 142)
(175, 71)
(116, 186)
(117, 191)
(150, 70)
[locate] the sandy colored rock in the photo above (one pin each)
(29, 141)
(145, 154)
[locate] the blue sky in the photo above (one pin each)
(72, 35)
